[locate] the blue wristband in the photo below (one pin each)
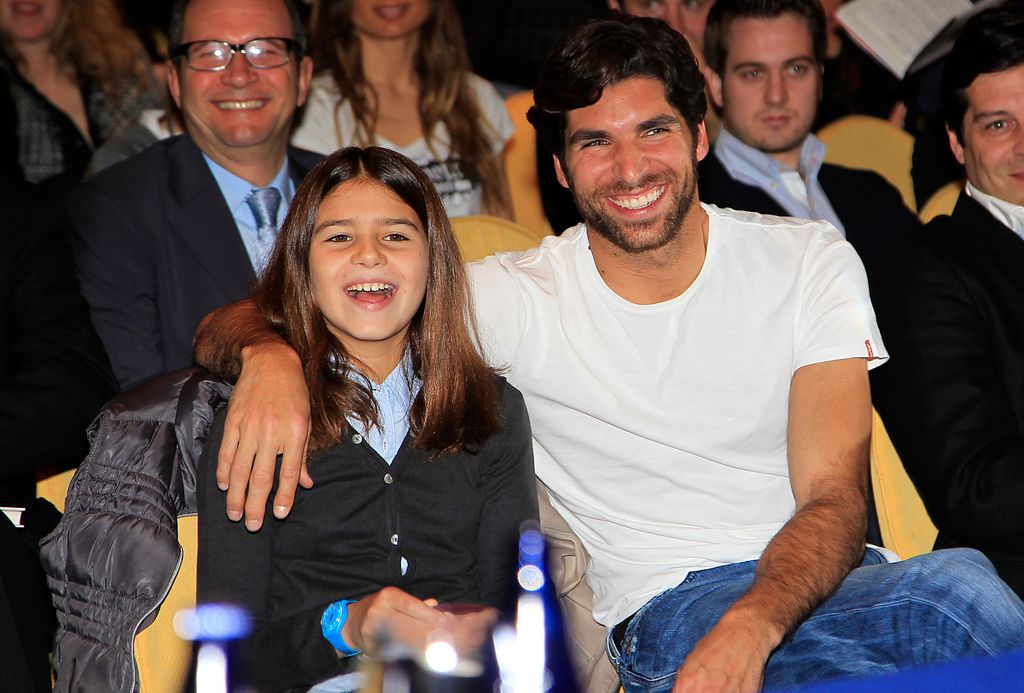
(331, 624)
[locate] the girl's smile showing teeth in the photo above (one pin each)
(637, 201)
(371, 292)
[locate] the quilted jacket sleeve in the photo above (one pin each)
(113, 557)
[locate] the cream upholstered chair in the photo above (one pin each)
(162, 657)
(521, 168)
(481, 235)
(866, 142)
(906, 527)
(942, 201)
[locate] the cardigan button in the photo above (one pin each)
(388, 479)
(357, 439)
(394, 539)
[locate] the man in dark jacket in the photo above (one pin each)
(54, 376)
(952, 396)
(167, 236)
(765, 63)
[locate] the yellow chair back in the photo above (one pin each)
(906, 527)
(521, 167)
(866, 142)
(942, 201)
(55, 488)
(481, 235)
(162, 657)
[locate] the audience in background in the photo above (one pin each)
(54, 377)
(953, 313)
(507, 41)
(398, 76)
(685, 16)
(167, 236)
(154, 124)
(852, 81)
(71, 78)
(765, 60)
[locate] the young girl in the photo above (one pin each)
(397, 74)
(420, 455)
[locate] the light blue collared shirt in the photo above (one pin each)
(394, 400)
(753, 167)
(235, 191)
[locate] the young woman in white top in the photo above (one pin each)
(396, 73)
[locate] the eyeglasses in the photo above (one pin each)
(212, 56)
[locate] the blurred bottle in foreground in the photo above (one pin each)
(215, 631)
(532, 652)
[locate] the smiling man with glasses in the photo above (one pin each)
(171, 234)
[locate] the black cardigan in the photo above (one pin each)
(454, 518)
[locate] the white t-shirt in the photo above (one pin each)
(661, 429)
(326, 127)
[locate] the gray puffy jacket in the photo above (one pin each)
(112, 559)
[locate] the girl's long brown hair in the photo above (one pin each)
(456, 408)
(446, 96)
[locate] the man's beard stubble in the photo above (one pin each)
(597, 219)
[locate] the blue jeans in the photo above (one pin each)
(884, 617)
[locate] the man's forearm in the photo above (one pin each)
(227, 332)
(805, 562)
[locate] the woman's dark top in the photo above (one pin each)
(38, 141)
(454, 518)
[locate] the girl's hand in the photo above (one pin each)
(413, 622)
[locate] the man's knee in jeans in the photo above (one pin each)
(964, 584)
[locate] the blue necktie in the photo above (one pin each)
(264, 203)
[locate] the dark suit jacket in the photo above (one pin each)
(54, 375)
(952, 394)
(158, 249)
(871, 209)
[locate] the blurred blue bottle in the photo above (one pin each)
(532, 650)
(215, 630)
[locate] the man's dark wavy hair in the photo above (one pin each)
(992, 41)
(604, 52)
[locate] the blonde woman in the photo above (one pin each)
(71, 77)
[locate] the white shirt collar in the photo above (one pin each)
(1006, 213)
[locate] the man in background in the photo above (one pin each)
(54, 377)
(765, 60)
(165, 237)
(953, 313)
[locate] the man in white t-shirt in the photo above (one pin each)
(698, 390)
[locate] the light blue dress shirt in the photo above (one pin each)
(753, 167)
(394, 398)
(235, 190)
